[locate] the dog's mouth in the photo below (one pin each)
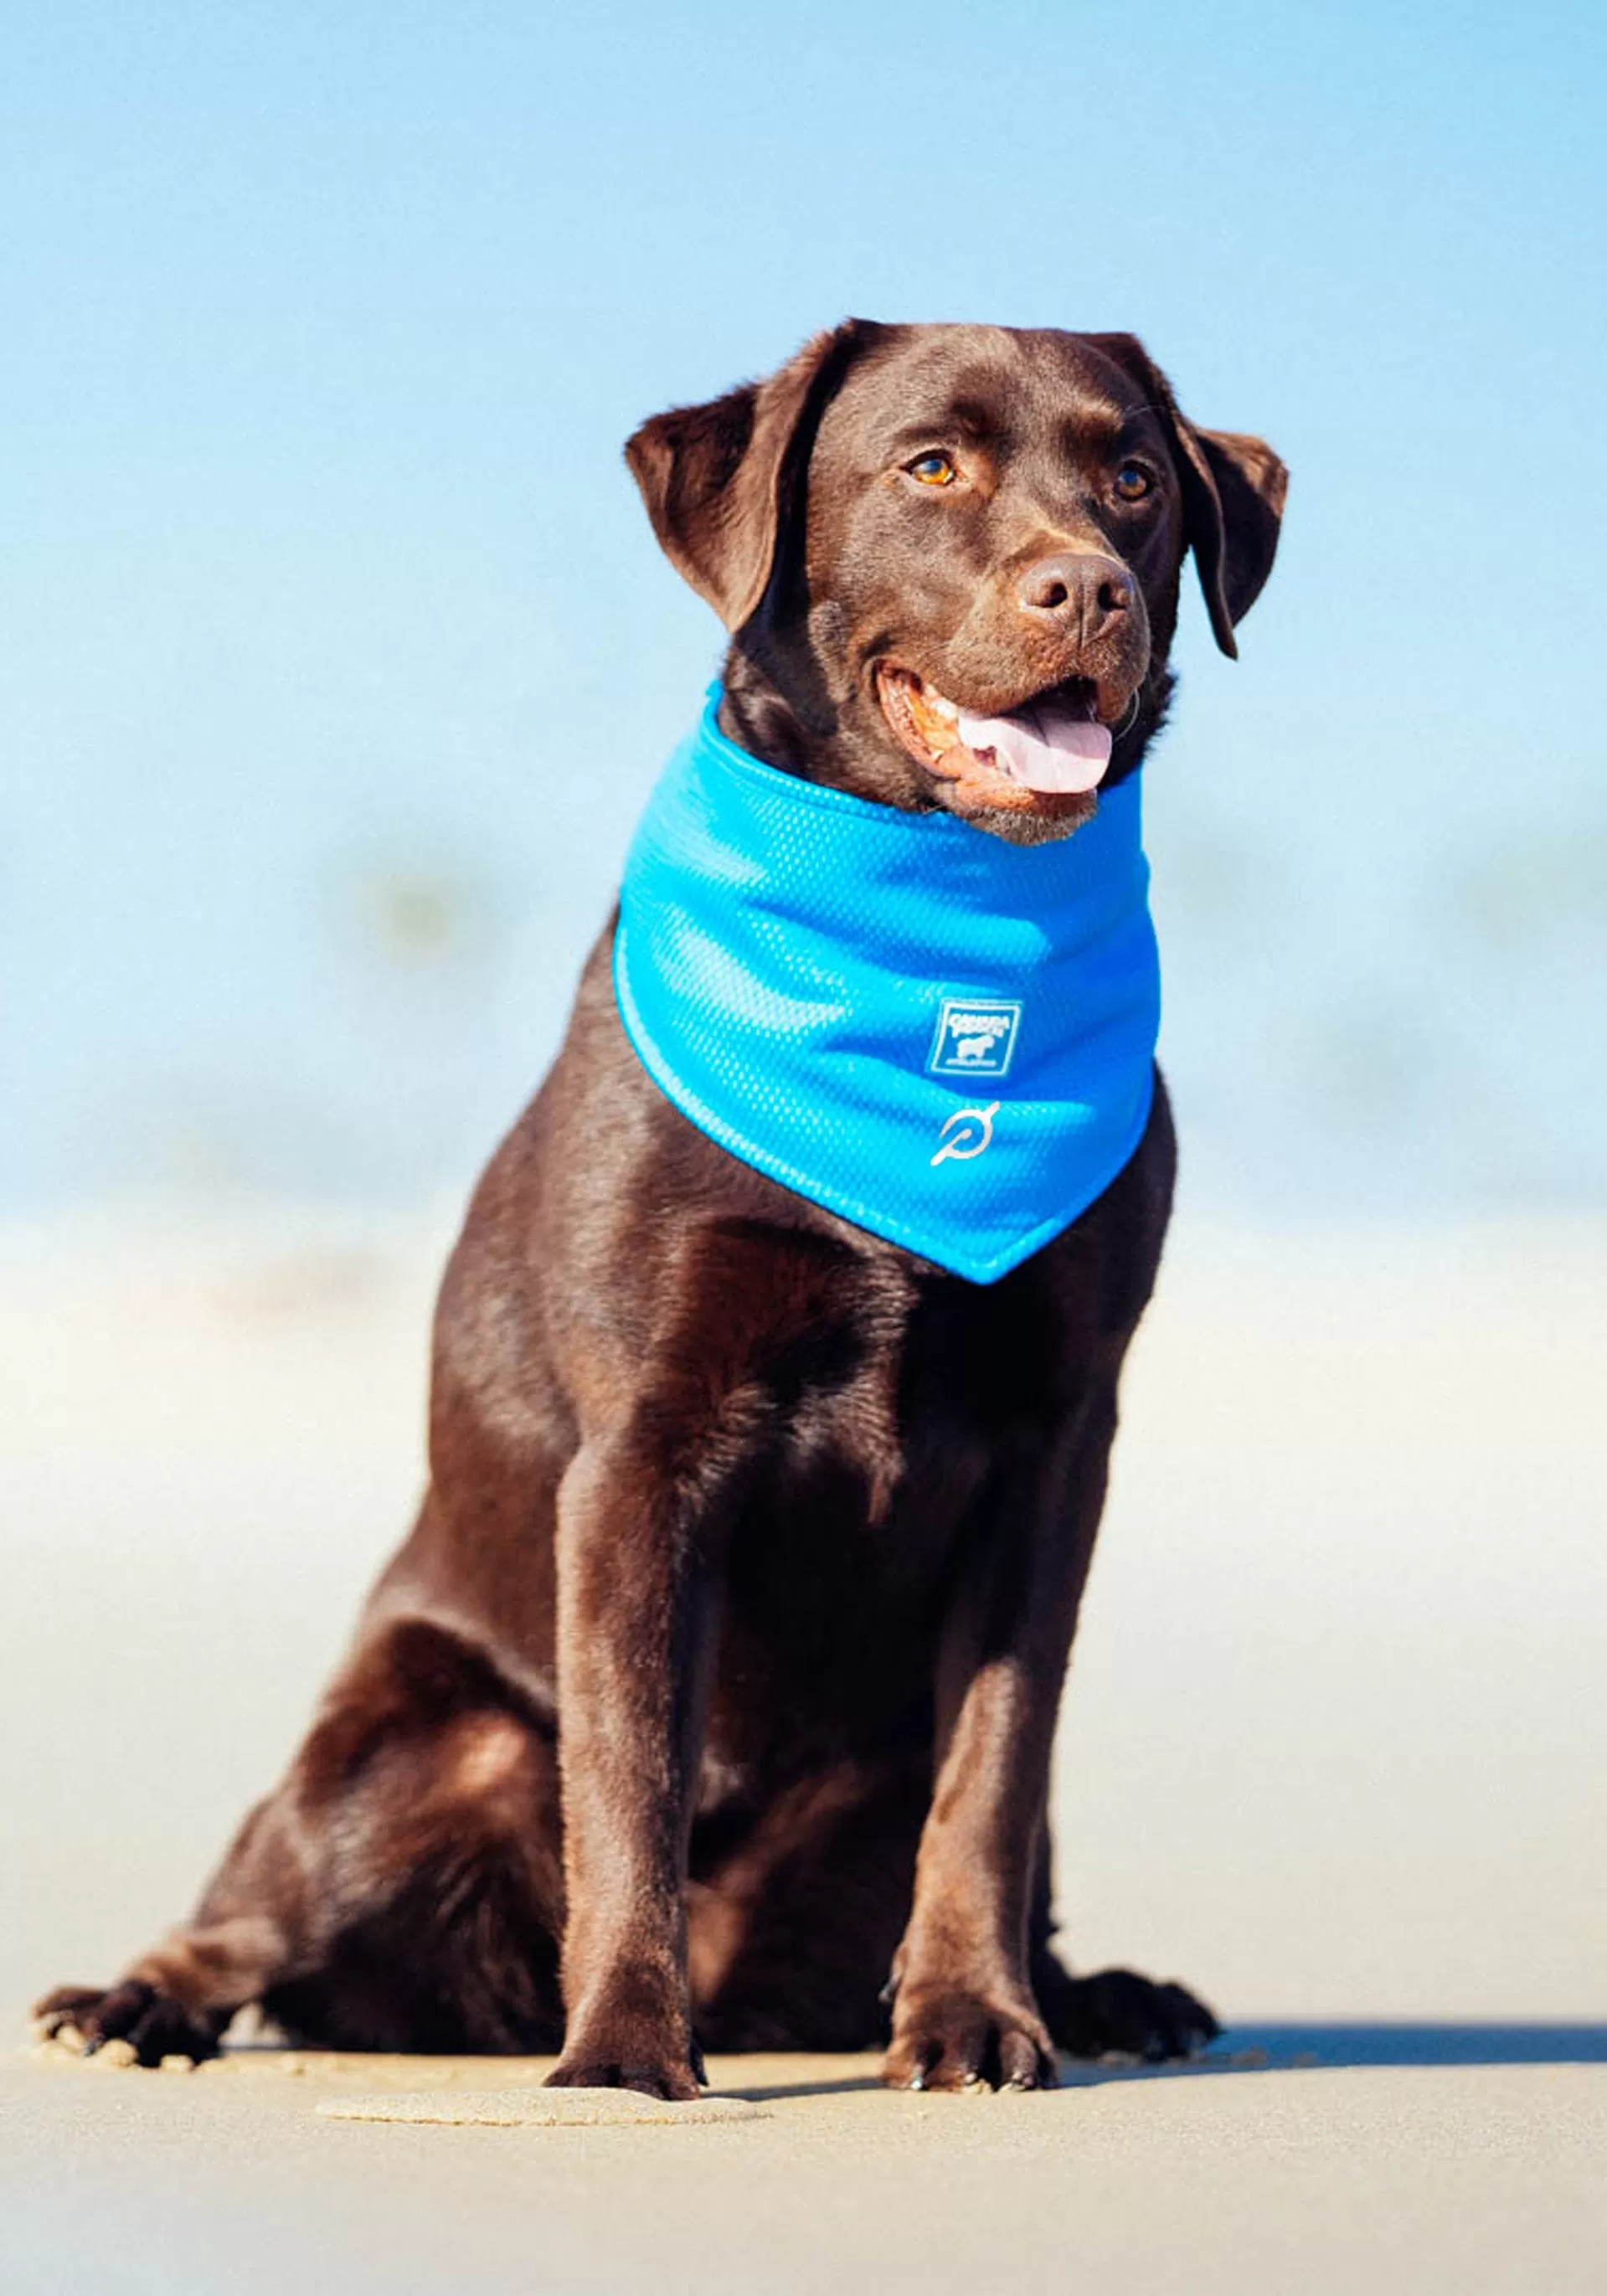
(1048, 754)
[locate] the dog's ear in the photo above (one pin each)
(1233, 497)
(1233, 489)
(718, 480)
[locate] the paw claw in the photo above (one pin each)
(959, 2043)
(144, 2024)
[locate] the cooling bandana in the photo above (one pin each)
(946, 1040)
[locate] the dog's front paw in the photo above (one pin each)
(956, 2040)
(652, 2065)
(1118, 2012)
(153, 2024)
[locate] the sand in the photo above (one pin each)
(1472, 2179)
(1333, 1751)
(536, 2107)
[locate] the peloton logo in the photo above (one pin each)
(975, 1037)
(966, 1133)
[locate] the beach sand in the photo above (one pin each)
(1475, 2179)
(1332, 1751)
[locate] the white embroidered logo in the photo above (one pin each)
(969, 1142)
(975, 1037)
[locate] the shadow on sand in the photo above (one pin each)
(1290, 2048)
(1420, 2045)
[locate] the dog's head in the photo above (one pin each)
(950, 556)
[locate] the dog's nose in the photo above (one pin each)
(1080, 590)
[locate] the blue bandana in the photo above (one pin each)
(946, 1039)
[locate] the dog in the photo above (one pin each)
(709, 1702)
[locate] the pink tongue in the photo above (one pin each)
(1044, 747)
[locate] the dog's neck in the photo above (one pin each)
(868, 1003)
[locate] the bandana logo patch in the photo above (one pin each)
(975, 1037)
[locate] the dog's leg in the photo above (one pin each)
(636, 1625)
(399, 1890)
(178, 1999)
(963, 2010)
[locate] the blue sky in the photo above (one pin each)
(336, 658)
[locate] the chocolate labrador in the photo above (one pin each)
(710, 1703)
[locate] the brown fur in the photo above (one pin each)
(711, 1701)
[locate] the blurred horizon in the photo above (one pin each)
(336, 656)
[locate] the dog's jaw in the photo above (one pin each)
(1044, 757)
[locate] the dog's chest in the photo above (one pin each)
(869, 1480)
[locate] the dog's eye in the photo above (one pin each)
(1133, 482)
(933, 469)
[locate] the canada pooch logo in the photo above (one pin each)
(975, 1037)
